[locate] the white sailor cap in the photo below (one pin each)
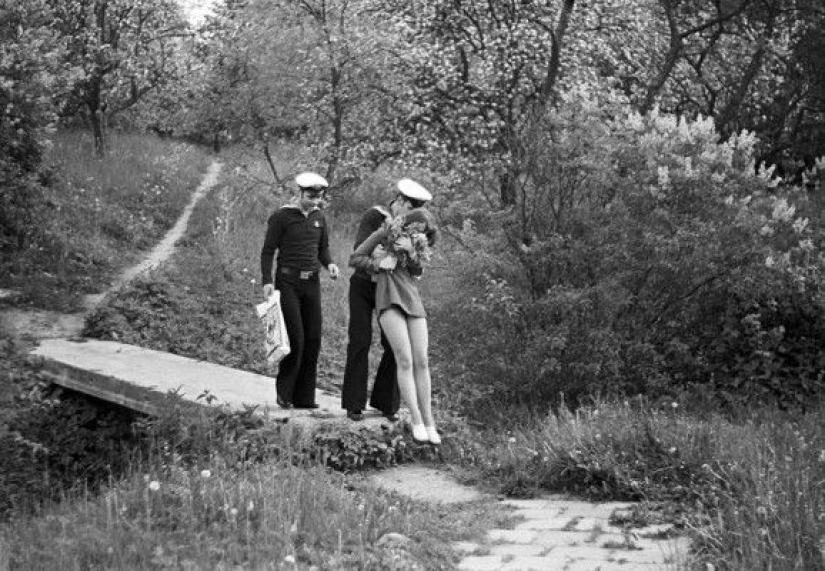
(413, 190)
(311, 180)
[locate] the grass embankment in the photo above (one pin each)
(100, 214)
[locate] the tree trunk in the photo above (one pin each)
(674, 51)
(280, 182)
(338, 111)
(549, 83)
(96, 118)
(507, 188)
(96, 111)
(729, 112)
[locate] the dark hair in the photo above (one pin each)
(423, 216)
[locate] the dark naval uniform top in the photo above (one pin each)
(371, 221)
(302, 241)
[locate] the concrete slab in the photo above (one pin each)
(510, 550)
(562, 506)
(141, 379)
(520, 536)
(564, 533)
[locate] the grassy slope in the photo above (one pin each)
(101, 214)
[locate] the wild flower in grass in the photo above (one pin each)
(154, 485)
(206, 474)
(289, 559)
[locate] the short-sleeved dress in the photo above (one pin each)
(394, 288)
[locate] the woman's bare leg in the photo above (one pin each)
(394, 323)
(419, 344)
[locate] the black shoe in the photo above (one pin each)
(283, 403)
(392, 416)
(355, 415)
(312, 405)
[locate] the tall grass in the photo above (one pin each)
(198, 500)
(773, 514)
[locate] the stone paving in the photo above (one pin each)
(560, 533)
(554, 532)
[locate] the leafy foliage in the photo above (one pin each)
(309, 70)
(616, 268)
(123, 49)
(31, 77)
(56, 444)
(351, 451)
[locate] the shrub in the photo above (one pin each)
(31, 77)
(633, 247)
(56, 444)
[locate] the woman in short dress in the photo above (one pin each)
(401, 313)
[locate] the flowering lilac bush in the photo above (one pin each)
(644, 255)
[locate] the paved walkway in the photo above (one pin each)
(556, 533)
(560, 533)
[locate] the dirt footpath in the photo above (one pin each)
(34, 325)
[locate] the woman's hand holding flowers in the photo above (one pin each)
(388, 263)
(407, 243)
(404, 243)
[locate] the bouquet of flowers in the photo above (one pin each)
(416, 227)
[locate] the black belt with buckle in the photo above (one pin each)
(301, 274)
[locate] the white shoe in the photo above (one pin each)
(432, 435)
(419, 433)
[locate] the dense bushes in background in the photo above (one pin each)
(30, 77)
(644, 255)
